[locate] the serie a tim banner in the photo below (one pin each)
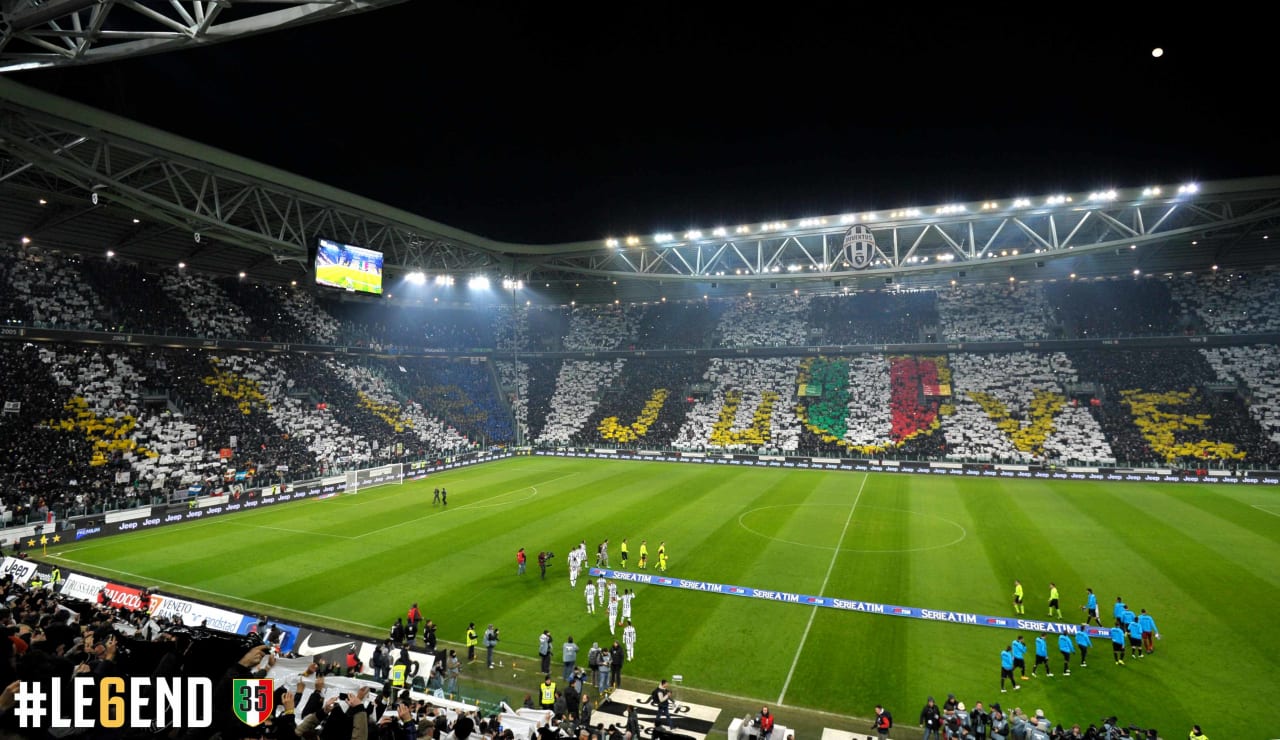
(141, 702)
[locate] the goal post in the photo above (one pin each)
(369, 477)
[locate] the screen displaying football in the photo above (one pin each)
(348, 267)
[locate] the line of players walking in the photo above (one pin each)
(603, 591)
(1139, 629)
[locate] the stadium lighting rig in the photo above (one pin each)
(1098, 198)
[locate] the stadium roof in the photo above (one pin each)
(79, 179)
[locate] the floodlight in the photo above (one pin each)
(416, 277)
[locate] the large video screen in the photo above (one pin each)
(348, 267)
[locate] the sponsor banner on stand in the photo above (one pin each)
(215, 506)
(694, 720)
(195, 614)
(82, 587)
(287, 637)
(20, 570)
(974, 469)
(119, 596)
(892, 610)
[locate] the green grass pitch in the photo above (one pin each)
(348, 277)
(1205, 560)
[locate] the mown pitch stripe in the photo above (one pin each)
(822, 590)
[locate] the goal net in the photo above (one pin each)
(358, 480)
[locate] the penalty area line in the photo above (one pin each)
(822, 591)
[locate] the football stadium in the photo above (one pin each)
(993, 468)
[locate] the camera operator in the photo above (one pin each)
(543, 557)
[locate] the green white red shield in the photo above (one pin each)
(252, 699)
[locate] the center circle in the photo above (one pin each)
(932, 526)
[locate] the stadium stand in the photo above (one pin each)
(387, 326)
(678, 324)
(206, 306)
(376, 395)
(601, 327)
(1157, 405)
(979, 313)
(108, 407)
(296, 401)
(511, 328)
(577, 393)
(759, 322)
(1257, 368)
(750, 407)
(459, 391)
(51, 288)
(1124, 307)
(46, 468)
(644, 406)
(1012, 407)
(282, 314)
(134, 299)
(541, 378)
(874, 317)
(223, 403)
(1229, 302)
(514, 377)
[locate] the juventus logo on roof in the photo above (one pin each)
(860, 244)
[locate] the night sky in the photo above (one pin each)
(544, 124)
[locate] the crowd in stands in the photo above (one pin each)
(224, 403)
(151, 449)
(1012, 407)
(510, 328)
(1258, 368)
(677, 325)
(1228, 302)
(886, 406)
(760, 322)
(45, 469)
(646, 404)
(134, 299)
(51, 289)
(953, 720)
(388, 326)
(987, 313)
(607, 326)
(513, 378)
(50, 286)
(541, 378)
(1156, 406)
(577, 394)
(377, 397)
(281, 314)
(874, 317)
(1123, 307)
(207, 308)
(751, 406)
(459, 392)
